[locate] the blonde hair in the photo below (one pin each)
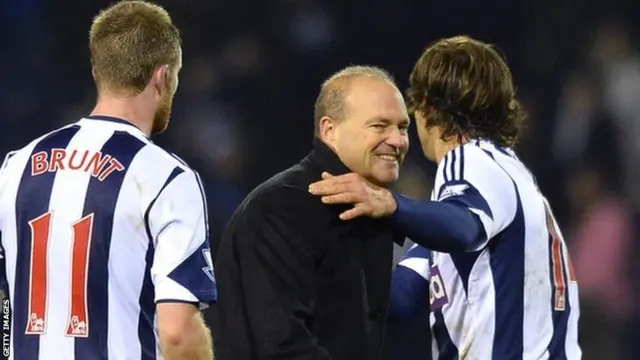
(128, 41)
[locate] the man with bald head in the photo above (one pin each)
(294, 281)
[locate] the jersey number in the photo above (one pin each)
(78, 323)
(558, 264)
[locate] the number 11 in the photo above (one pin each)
(558, 264)
(78, 324)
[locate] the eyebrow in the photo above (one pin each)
(405, 121)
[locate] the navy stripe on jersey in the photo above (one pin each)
(464, 263)
(453, 165)
(146, 332)
(32, 201)
(507, 254)
(489, 153)
(560, 318)
(204, 203)
(461, 162)
(444, 169)
(100, 200)
(447, 350)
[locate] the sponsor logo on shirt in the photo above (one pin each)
(437, 293)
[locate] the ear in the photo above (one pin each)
(327, 129)
(420, 116)
(160, 78)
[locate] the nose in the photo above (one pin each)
(398, 139)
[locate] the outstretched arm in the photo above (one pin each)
(447, 226)
(472, 205)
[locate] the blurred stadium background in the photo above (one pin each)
(252, 69)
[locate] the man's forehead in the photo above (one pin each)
(372, 91)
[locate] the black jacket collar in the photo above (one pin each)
(326, 159)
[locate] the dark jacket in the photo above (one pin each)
(295, 281)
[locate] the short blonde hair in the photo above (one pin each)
(331, 100)
(128, 41)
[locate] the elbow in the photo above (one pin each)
(467, 238)
(182, 332)
(473, 235)
(178, 338)
(464, 228)
(186, 342)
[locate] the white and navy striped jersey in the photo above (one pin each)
(515, 295)
(98, 225)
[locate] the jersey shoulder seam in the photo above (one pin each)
(173, 158)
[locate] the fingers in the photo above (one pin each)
(331, 185)
(343, 198)
(353, 213)
(334, 185)
(342, 189)
(327, 187)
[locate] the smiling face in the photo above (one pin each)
(372, 140)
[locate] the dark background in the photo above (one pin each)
(253, 68)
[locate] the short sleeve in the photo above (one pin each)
(182, 268)
(5, 162)
(473, 178)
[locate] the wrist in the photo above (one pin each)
(401, 204)
(392, 204)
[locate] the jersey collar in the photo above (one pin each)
(116, 120)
